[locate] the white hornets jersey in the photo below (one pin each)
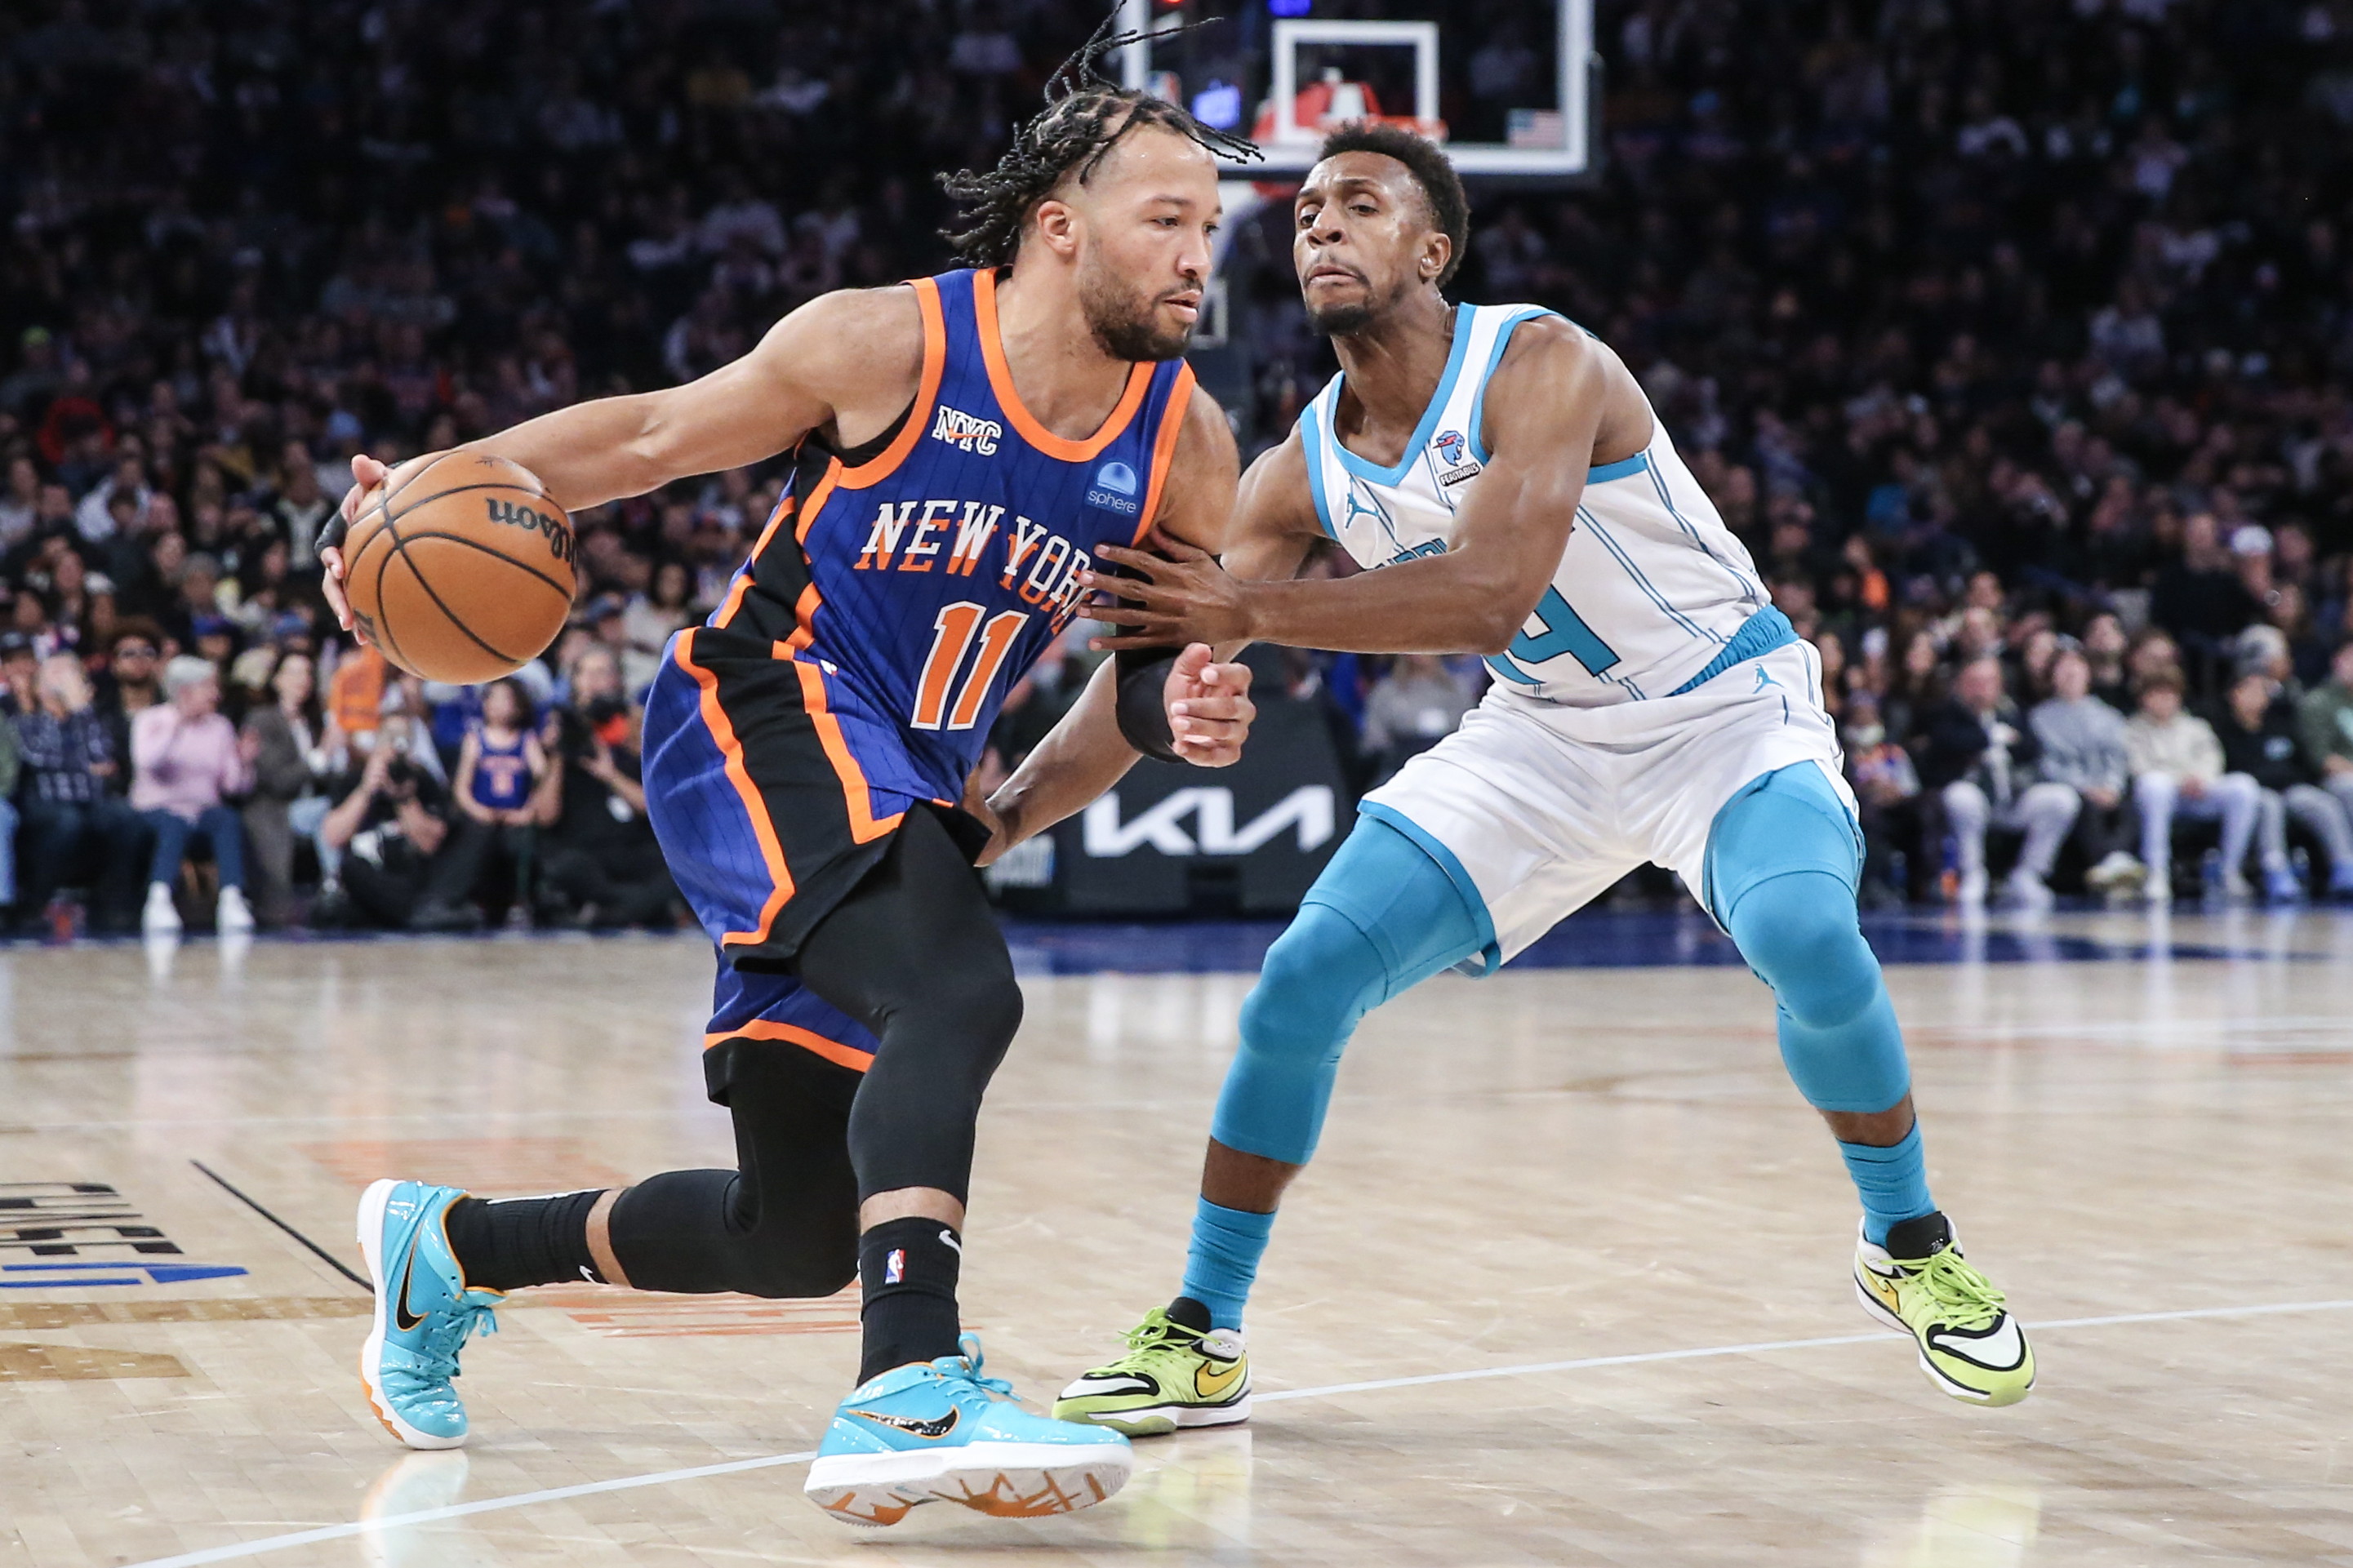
(1653, 589)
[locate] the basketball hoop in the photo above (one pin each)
(1323, 107)
(1291, 77)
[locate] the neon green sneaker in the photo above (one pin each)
(1171, 1376)
(1970, 1346)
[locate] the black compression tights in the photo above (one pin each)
(914, 954)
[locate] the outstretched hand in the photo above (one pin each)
(1209, 708)
(367, 474)
(1183, 595)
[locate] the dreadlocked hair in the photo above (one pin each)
(1086, 115)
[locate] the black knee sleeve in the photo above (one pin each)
(912, 1123)
(915, 956)
(785, 1223)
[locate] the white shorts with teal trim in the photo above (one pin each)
(1537, 809)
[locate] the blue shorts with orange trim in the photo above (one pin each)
(779, 1007)
(768, 822)
(762, 813)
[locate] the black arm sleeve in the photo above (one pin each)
(1142, 678)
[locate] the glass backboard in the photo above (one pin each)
(1503, 83)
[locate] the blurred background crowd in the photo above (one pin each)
(2014, 337)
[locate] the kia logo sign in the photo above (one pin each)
(1310, 809)
(1247, 839)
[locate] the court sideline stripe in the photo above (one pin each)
(325, 1256)
(734, 1467)
(1646, 1357)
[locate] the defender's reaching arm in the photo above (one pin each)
(1205, 705)
(1544, 409)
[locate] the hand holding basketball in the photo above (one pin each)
(456, 564)
(367, 474)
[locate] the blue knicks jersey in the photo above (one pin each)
(918, 577)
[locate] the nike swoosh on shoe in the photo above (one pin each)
(1210, 1385)
(400, 1313)
(936, 1426)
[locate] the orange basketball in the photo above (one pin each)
(460, 568)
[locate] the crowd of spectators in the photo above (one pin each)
(267, 795)
(2016, 340)
(2014, 337)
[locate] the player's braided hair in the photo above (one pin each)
(1086, 114)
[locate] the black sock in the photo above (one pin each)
(1188, 1313)
(909, 1270)
(504, 1244)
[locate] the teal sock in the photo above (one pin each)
(1892, 1182)
(1223, 1259)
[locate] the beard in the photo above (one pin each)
(1341, 321)
(1344, 321)
(1125, 321)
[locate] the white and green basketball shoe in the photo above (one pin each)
(1172, 1376)
(424, 1313)
(1919, 1284)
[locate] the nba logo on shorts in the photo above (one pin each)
(894, 1267)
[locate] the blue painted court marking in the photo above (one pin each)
(237, 1550)
(52, 1276)
(1590, 939)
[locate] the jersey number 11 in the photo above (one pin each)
(953, 635)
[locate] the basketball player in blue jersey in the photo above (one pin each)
(1504, 477)
(966, 448)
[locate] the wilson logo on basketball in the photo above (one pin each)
(513, 514)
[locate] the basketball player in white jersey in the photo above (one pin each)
(1502, 474)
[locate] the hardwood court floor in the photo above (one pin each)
(1597, 1176)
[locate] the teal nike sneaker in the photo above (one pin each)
(938, 1432)
(424, 1313)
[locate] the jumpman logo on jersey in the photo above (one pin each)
(1362, 502)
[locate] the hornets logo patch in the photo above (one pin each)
(1455, 463)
